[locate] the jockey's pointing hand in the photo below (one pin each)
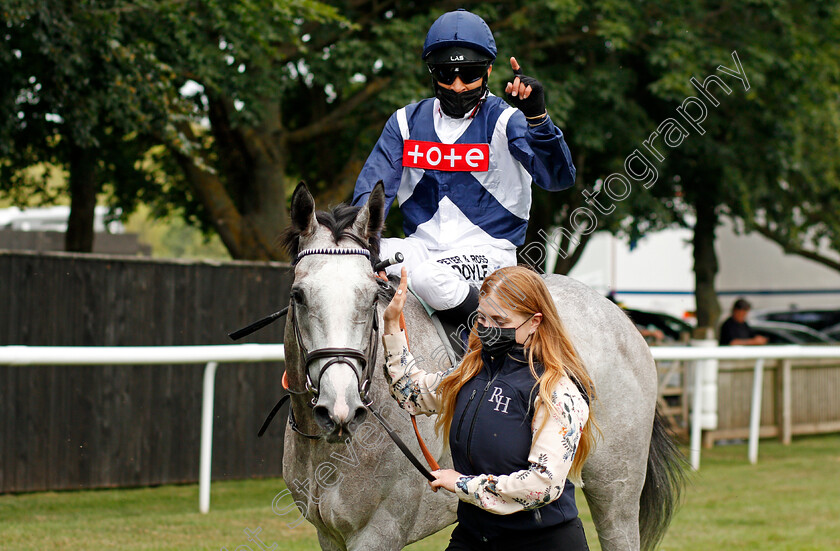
(391, 315)
(527, 94)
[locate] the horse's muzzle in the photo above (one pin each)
(338, 428)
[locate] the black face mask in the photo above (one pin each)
(457, 105)
(498, 340)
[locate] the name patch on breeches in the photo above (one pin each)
(473, 267)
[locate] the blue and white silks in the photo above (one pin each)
(446, 210)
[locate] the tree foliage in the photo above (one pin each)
(798, 203)
(69, 101)
(738, 166)
(245, 98)
(622, 68)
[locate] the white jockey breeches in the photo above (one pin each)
(443, 278)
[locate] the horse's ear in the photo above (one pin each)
(371, 217)
(303, 209)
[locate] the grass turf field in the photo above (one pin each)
(790, 500)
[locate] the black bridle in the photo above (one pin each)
(366, 361)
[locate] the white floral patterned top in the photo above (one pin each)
(551, 452)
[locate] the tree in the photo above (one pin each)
(624, 70)
(755, 119)
(247, 97)
(289, 90)
(281, 91)
(595, 74)
(68, 103)
(799, 206)
(91, 92)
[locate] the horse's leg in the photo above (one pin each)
(385, 531)
(613, 479)
(327, 544)
(633, 496)
(616, 521)
(409, 514)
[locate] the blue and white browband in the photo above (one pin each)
(331, 250)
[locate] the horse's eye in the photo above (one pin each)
(297, 296)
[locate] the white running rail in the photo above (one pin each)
(757, 353)
(212, 356)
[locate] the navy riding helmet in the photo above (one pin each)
(459, 37)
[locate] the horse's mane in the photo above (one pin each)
(337, 221)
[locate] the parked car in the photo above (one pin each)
(789, 333)
(674, 329)
(816, 319)
(833, 332)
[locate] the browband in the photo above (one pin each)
(331, 250)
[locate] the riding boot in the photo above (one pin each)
(457, 323)
(459, 315)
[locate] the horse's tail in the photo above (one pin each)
(665, 480)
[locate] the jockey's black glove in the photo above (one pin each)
(534, 105)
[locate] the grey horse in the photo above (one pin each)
(354, 485)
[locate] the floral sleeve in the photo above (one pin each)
(549, 460)
(411, 386)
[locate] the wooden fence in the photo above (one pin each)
(814, 399)
(811, 398)
(102, 426)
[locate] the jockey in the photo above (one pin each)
(461, 165)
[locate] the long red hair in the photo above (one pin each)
(522, 290)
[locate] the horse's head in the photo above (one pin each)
(331, 336)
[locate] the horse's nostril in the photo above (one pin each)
(358, 418)
(323, 418)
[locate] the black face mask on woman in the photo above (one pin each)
(498, 340)
(457, 105)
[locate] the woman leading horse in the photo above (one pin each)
(513, 457)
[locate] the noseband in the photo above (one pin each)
(338, 355)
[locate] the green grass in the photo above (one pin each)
(789, 501)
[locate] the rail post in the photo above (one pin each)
(755, 410)
(207, 396)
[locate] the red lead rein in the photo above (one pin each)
(426, 453)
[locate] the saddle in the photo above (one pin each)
(450, 334)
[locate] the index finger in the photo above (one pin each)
(403, 280)
(400, 294)
(517, 70)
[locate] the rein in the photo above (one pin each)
(340, 355)
(425, 450)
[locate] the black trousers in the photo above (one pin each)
(568, 536)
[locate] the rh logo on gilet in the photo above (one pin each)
(501, 400)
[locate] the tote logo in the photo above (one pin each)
(463, 157)
(501, 401)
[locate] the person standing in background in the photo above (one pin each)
(735, 330)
